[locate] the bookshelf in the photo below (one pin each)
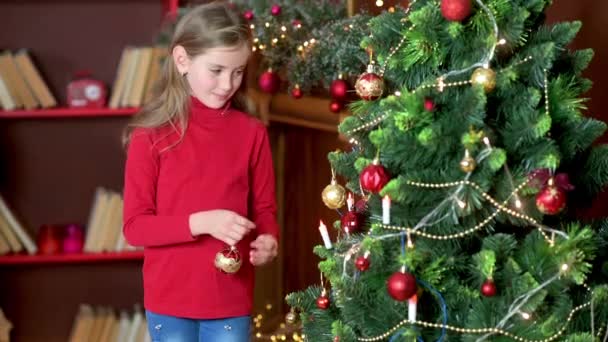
(53, 113)
(79, 258)
(52, 160)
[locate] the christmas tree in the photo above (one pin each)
(470, 158)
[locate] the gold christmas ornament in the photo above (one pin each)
(291, 317)
(228, 260)
(334, 195)
(485, 77)
(467, 164)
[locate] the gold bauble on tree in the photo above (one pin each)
(334, 195)
(468, 163)
(291, 317)
(228, 260)
(485, 77)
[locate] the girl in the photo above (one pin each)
(198, 180)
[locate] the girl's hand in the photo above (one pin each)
(224, 225)
(263, 250)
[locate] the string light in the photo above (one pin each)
(379, 3)
(525, 315)
(474, 331)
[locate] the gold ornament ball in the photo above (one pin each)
(468, 164)
(291, 317)
(228, 260)
(334, 195)
(485, 77)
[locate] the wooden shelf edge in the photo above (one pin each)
(308, 111)
(53, 113)
(80, 258)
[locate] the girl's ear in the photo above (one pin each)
(181, 59)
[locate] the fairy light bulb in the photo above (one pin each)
(502, 41)
(486, 141)
(397, 93)
(565, 267)
(283, 28)
(518, 204)
(379, 3)
(252, 26)
(267, 24)
(461, 203)
(525, 315)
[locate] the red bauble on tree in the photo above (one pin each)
(269, 82)
(336, 106)
(374, 177)
(323, 301)
(455, 10)
(362, 263)
(488, 288)
(369, 85)
(401, 285)
(275, 10)
(551, 199)
(248, 15)
(296, 92)
(429, 105)
(338, 89)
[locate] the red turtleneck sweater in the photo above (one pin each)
(223, 162)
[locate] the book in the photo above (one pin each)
(16, 81)
(9, 236)
(121, 77)
(34, 79)
(100, 203)
(81, 328)
(130, 71)
(5, 327)
(159, 55)
(5, 248)
(16, 226)
(124, 323)
(6, 98)
(136, 94)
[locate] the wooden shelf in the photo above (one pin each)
(67, 113)
(82, 258)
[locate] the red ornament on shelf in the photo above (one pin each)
(248, 15)
(362, 263)
(49, 239)
(374, 177)
(269, 82)
(323, 301)
(401, 285)
(488, 288)
(429, 105)
(369, 85)
(551, 199)
(86, 92)
(275, 10)
(455, 10)
(73, 240)
(296, 92)
(339, 89)
(336, 106)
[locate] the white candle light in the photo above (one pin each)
(386, 210)
(412, 305)
(350, 202)
(325, 235)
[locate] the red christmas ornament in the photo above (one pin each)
(455, 10)
(429, 105)
(269, 82)
(296, 92)
(362, 263)
(336, 106)
(551, 199)
(248, 15)
(339, 89)
(361, 205)
(337, 339)
(351, 222)
(369, 85)
(401, 286)
(488, 288)
(374, 177)
(323, 301)
(275, 10)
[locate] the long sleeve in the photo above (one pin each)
(142, 225)
(263, 199)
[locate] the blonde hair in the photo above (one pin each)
(203, 27)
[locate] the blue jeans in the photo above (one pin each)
(174, 329)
